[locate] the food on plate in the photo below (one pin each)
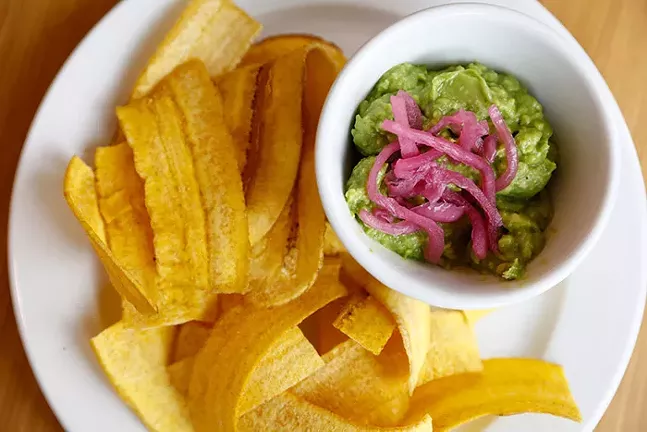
(506, 386)
(216, 32)
(81, 196)
(242, 311)
(455, 168)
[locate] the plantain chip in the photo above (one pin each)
(80, 193)
(352, 274)
(153, 127)
(238, 88)
(191, 337)
(452, 348)
(302, 264)
(332, 245)
(135, 363)
(127, 225)
(279, 147)
(413, 318)
(289, 412)
(359, 386)
(474, 316)
(291, 359)
(270, 49)
(214, 31)
(218, 178)
(367, 322)
(507, 386)
(266, 256)
(326, 336)
(224, 366)
(230, 301)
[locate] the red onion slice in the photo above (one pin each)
(376, 222)
(479, 233)
(440, 212)
(510, 148)
(407, 113)
(489, 147)
(436, 243)
(453, 151)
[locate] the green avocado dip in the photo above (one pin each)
(523, 204)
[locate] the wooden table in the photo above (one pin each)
(36, 36)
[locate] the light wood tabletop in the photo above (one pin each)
(36, 36)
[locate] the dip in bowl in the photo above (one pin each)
(538, 83)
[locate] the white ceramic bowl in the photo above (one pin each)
(583, 189)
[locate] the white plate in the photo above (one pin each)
(589, 324)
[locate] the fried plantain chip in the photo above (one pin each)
(332, 245)
(452, 348)
(127, 225)
(270, 49)
(474, 316)
(367, 322)
(413, 318)
(279, 147)
(135, 362)
(266, 256)
(80, 194)
(224, 366)
(326, 336)
(191, 337)
(153, 127)
(352, 274)
(507, 386)
(218, 178)
(238, 88)
(289, 412)
(291, 359)
(299, 274)
(214, 31)
(359, 386)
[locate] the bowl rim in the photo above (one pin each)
(425, 291)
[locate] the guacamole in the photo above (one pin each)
(524, 205)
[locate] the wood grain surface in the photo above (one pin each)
(36, 36)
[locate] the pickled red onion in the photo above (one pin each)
(397, 228)
(407, 113)
(479, 232)
(510, 146)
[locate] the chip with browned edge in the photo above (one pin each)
(271, 48)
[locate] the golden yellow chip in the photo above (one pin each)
(214, 31)
(291, 359)
(153, 127)
(413, 318)
(270, 49)
(191, 337)
(135, 362)
(359, 386)
(452, 348)
(238, 88)
(289, 412)
(266, 256)
(367, 322)
(506, 387)
(219, 180)
(279, 147)
(352, 274)
(326, 336)
(127, 225)
(332, 245)
(298, 273)
(473, 316)
(80, 193)
(227, 362)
